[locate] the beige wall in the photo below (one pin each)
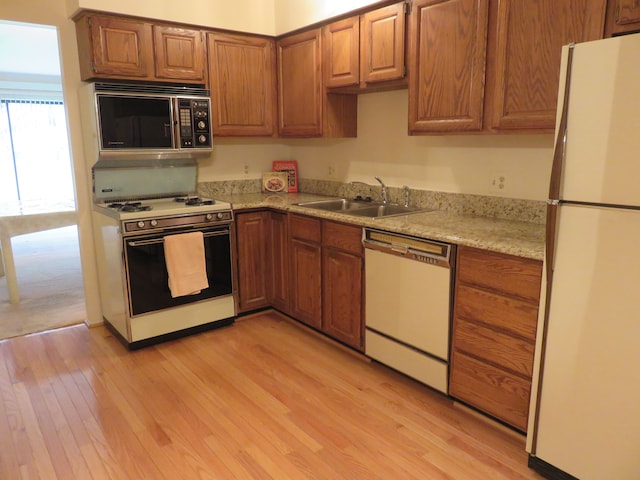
(458, 164)
(294, 14)
(255, 16)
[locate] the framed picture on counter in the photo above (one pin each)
(291, 168)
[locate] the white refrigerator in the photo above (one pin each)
(585, 420)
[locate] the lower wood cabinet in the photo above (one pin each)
(278, 249)
(494, 330)
(252, 233)
(342, 281)
(306, 269)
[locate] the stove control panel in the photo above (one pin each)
(192, 220)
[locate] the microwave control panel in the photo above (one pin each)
(194, 123)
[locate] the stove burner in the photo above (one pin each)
(194, 201)
(130, 207)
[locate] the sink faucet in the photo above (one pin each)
(383, 192)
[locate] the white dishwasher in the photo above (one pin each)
(408, 302)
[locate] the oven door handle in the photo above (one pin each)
(144, 243)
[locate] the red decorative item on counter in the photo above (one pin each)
(291, 168)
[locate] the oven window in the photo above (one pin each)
(135, 122)
(147, 272)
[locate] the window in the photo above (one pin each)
(34, 151)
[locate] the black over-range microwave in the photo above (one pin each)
(152, 121)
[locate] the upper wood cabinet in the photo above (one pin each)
(382, 35)
(623, 16)
(342, 52)
(304, 107)
(524, 60)
(179, 53)
(300, 84)
(492, 66)
(114, 47)
(365, 50)
(242, 78)
(447, 64)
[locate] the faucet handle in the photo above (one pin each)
(406, 190)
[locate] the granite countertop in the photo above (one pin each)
(518, 238)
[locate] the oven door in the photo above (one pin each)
(146, 270)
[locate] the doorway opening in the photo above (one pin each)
(36, 173)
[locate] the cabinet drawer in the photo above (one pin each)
(503, 350)
(490, 389)
(504, 273)
(344, 237)
(505, 313)
(305, 228)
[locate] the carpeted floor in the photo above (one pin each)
(50, 284)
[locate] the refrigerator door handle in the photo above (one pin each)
(561, 138)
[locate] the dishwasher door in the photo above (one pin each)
(408, 298)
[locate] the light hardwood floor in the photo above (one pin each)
(261, 399)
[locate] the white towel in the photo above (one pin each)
(184, 255)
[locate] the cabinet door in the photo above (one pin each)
(243, 82)
(448, 52)
(306, 264)
(623, 16)
(253, 260)
(300, 92)
(279, 271)
(179, 53)
(528, 41)
(342, 52)
(121, 47)
(342, 296)
(382, 44)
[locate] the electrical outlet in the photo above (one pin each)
(246, 169)
(499, 182)
(332, 170)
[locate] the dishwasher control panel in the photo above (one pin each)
(419, 249)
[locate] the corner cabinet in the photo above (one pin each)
(447, 64)
(494, 329)
(278, 245)
(253, 260)
(366, 50)
(306, 269)
(114, 47)
(305, 109)
(327, 274)
(242, 77)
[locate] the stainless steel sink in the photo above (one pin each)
(386, 210)
(361, 208)
(336, 204)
